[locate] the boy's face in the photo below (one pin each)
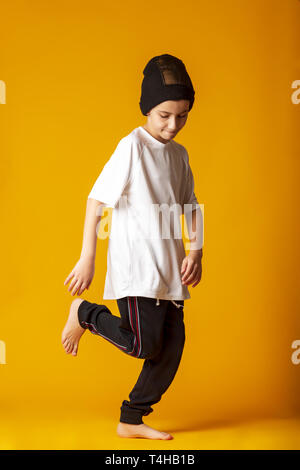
(167, 118)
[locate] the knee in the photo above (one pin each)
(151, 351)
(147, 355)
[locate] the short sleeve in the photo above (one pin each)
(115, 175)
(189, 195)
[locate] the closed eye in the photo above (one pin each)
(164, 117)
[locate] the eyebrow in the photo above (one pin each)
(161, 111)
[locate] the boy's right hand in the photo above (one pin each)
(82, 275)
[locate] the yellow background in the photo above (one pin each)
(73, 73)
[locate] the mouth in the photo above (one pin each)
(170, 133)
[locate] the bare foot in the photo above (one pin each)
(141, 430)
(72, 331)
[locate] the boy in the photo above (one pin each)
(147, 274)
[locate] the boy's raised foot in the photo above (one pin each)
(72, 331)
(141, 430)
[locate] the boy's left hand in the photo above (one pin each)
(191, 268)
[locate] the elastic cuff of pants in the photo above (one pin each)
(82, 314)
(131, 417)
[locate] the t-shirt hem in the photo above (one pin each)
(153, 295)
(102, 199)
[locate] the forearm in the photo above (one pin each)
(194, 221)
(92, 218)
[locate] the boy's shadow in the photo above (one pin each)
(207, 425)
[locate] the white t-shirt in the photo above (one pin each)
(146, 250)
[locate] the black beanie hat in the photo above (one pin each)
(165, 78)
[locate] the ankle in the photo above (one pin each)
(131, 424)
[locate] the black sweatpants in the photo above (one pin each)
(147, 331)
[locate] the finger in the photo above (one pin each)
(197, 280)
(68, 278)
(76, 287)
(188, 272)
(186, 268)
(81, 289)
(196, 283)
(183, 268)
(78, 284)
(73, 282)
(191, 277)
(199, 276)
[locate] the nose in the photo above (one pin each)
(171, 128)
(172, 125)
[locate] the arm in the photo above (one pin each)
(191, 266)
(194, 222)
(84, 269)
(92, 218)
